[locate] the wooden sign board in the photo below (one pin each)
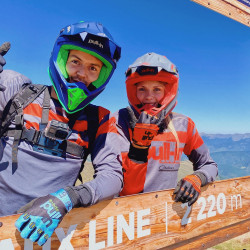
(239, 10)
(148, 221)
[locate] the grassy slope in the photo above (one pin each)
(238, 243)
(88, 171)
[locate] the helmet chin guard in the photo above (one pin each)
(92, 38)
(153, 67)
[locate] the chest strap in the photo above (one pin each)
(35, 137)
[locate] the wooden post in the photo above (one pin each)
(149, 221)
(238, 10)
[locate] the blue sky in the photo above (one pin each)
(211, 51)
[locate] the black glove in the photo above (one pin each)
(189, 188)
(3, 50)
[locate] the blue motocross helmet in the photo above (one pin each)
(91, 38)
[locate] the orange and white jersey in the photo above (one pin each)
(164, 156)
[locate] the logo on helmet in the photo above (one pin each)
(142, 70)
(147, 70)
(96, 43)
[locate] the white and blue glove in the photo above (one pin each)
(43, 215)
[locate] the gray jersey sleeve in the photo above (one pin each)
(106, 160)
(12, 81)
(203, 163)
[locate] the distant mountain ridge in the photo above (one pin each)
(235, 137)
(231, 152)
(227, 142)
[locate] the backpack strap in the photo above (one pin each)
(46, 108)
(36, 137)
(14, 111)
(28, 93)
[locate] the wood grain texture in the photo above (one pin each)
(215, 218)
(230, 8)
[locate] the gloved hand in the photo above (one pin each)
(43, 215)
(145, 130)
(2, 63)
(188, 189)
(3, 50)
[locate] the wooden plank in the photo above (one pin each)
(239, 5)
(213, 238)
(231, 8)
(149, 221)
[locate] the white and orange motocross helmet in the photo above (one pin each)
(153, 67)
